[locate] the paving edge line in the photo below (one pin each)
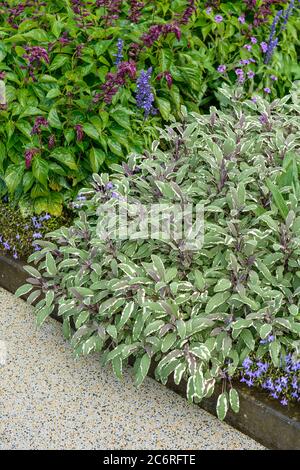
(260, 418)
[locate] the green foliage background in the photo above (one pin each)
(64, 88)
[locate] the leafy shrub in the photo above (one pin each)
(71, 71)
(197, 314)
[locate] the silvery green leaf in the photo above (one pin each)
(190, 389)
(32, 271)
(143, 369)
(199, 384)
(201, 351)
(241, 323)
(110, 305)
(209, 387)
(274, 349)
(168, 342)
(265, 331)
(117, 366)
(89, 345)
(199, 280)
(23, 290)
(33, 296)
(197, 324)
(138, 326)
(49, 297)
(82, 291)
(126, 314)
(226, 345)
(216, 300)
(285, 322)
(153, 327)
(159, 266)
(50, 264)
(81, 319)
(222, 406)
(248, 339)
(43, 313)
(66, 328)
(181, 328)
(129, 270)
(112, 331)
(223, 284)
(294, 310)
(68, 263)
(234, 400)
(178, 372)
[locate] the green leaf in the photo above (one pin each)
(64, 156)
(23, 290)
(222, 406)
(223, 284)
(50, 264)
(164, 107)
(190, 389)
(143, 369)
(121, 118)
(40, 169)
(43, 313)
(178, 373)
(248, 339)
(153, 327)
(278, 199)
(199, 385)
(90, 130)
(234, 400)
(58, 62)
(201, 351)
(216, 300)
(33, 272)
(13, 177)
(265, 331)
(54, 120)
(117, 364)
(97, 157)
(181, 328)
(274, 349)
(115, 148)
(126, 314)
(81, 319)
(168, 342)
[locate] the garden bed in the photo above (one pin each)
(261, 418)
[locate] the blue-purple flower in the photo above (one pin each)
(144, 95)
(119, 54)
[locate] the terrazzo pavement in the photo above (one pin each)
(48, 400)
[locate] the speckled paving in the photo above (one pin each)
(48, 400)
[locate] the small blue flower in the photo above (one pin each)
(37, 235)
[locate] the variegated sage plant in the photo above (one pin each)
(196, 315)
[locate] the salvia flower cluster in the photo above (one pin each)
(114, 80)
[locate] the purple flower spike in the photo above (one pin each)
(144, 95)
(119, 54)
